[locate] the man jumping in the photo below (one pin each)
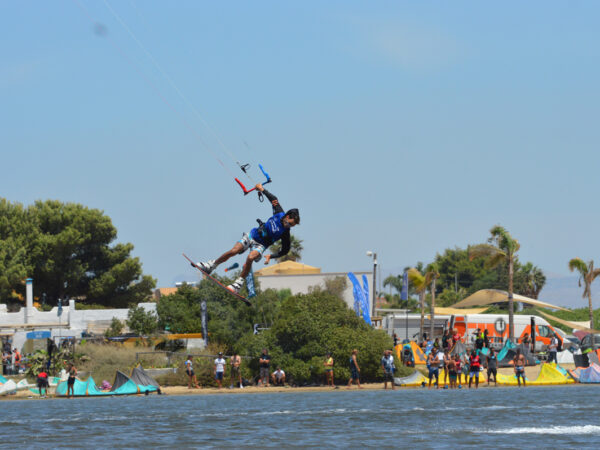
(276, 228)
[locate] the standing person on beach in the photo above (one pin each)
(433, 363)
(458, 365)
(492, 367)
(474, 368)
(236, 373)
(387, 364)
(189, 369)
(220, 364)
(264, 363)
(328, 364)
(354, 370)
(71, 380)
(553, 349)
(519, 365)
(42, 383)
(446, 359)
(452, 374)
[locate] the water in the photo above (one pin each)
(500, 417)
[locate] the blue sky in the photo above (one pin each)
(399, 127)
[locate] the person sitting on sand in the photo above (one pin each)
(354, 370)
(189, 369)
(519, 364)
(278, 377)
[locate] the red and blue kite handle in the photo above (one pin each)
(247, 191)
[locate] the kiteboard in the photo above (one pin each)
(217, 282)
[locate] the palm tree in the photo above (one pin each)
(421, 282)
(588, 274)
(534, 280)
(394, 281)
(504, 250)
(296, 249)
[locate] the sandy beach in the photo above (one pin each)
(531, 373)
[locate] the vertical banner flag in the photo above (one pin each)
(365, 308)
(359, 299)
(404, 293)
(357, 291)
(250, 284)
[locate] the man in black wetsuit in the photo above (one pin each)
(276, 228)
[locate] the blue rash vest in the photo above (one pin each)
(273, 230)
(270, 232)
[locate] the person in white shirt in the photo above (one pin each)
(278, 377)
(220, 369)
(189, 369)
(553, 349)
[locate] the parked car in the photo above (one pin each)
(590, 342)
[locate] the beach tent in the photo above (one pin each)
(589, 374)
(418, 356)
(491, 296)
(140, 377)
(414, 380)
(565, 357)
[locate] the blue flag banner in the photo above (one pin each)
(365, 307)
(359, 299)
(357, 291)
(404, 293)
(250, 284)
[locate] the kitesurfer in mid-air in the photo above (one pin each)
(276, 228)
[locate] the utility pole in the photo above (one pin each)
(374, 256)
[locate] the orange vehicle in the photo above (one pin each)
(497, 326)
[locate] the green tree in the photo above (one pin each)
(504, 250)
(296, 249)
(142, 322)
(66, 248)
(115, 329)
(306, 327)
(15, 232)
(587, 274)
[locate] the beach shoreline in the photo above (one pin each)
(531, 373)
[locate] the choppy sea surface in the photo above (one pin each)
(542, 417)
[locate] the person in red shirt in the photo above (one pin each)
(474, 368)
(42, 383)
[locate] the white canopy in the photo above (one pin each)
(489, 296)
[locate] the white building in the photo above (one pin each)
(298, 278)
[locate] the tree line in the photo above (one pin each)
(70, 252)
(458, 273)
